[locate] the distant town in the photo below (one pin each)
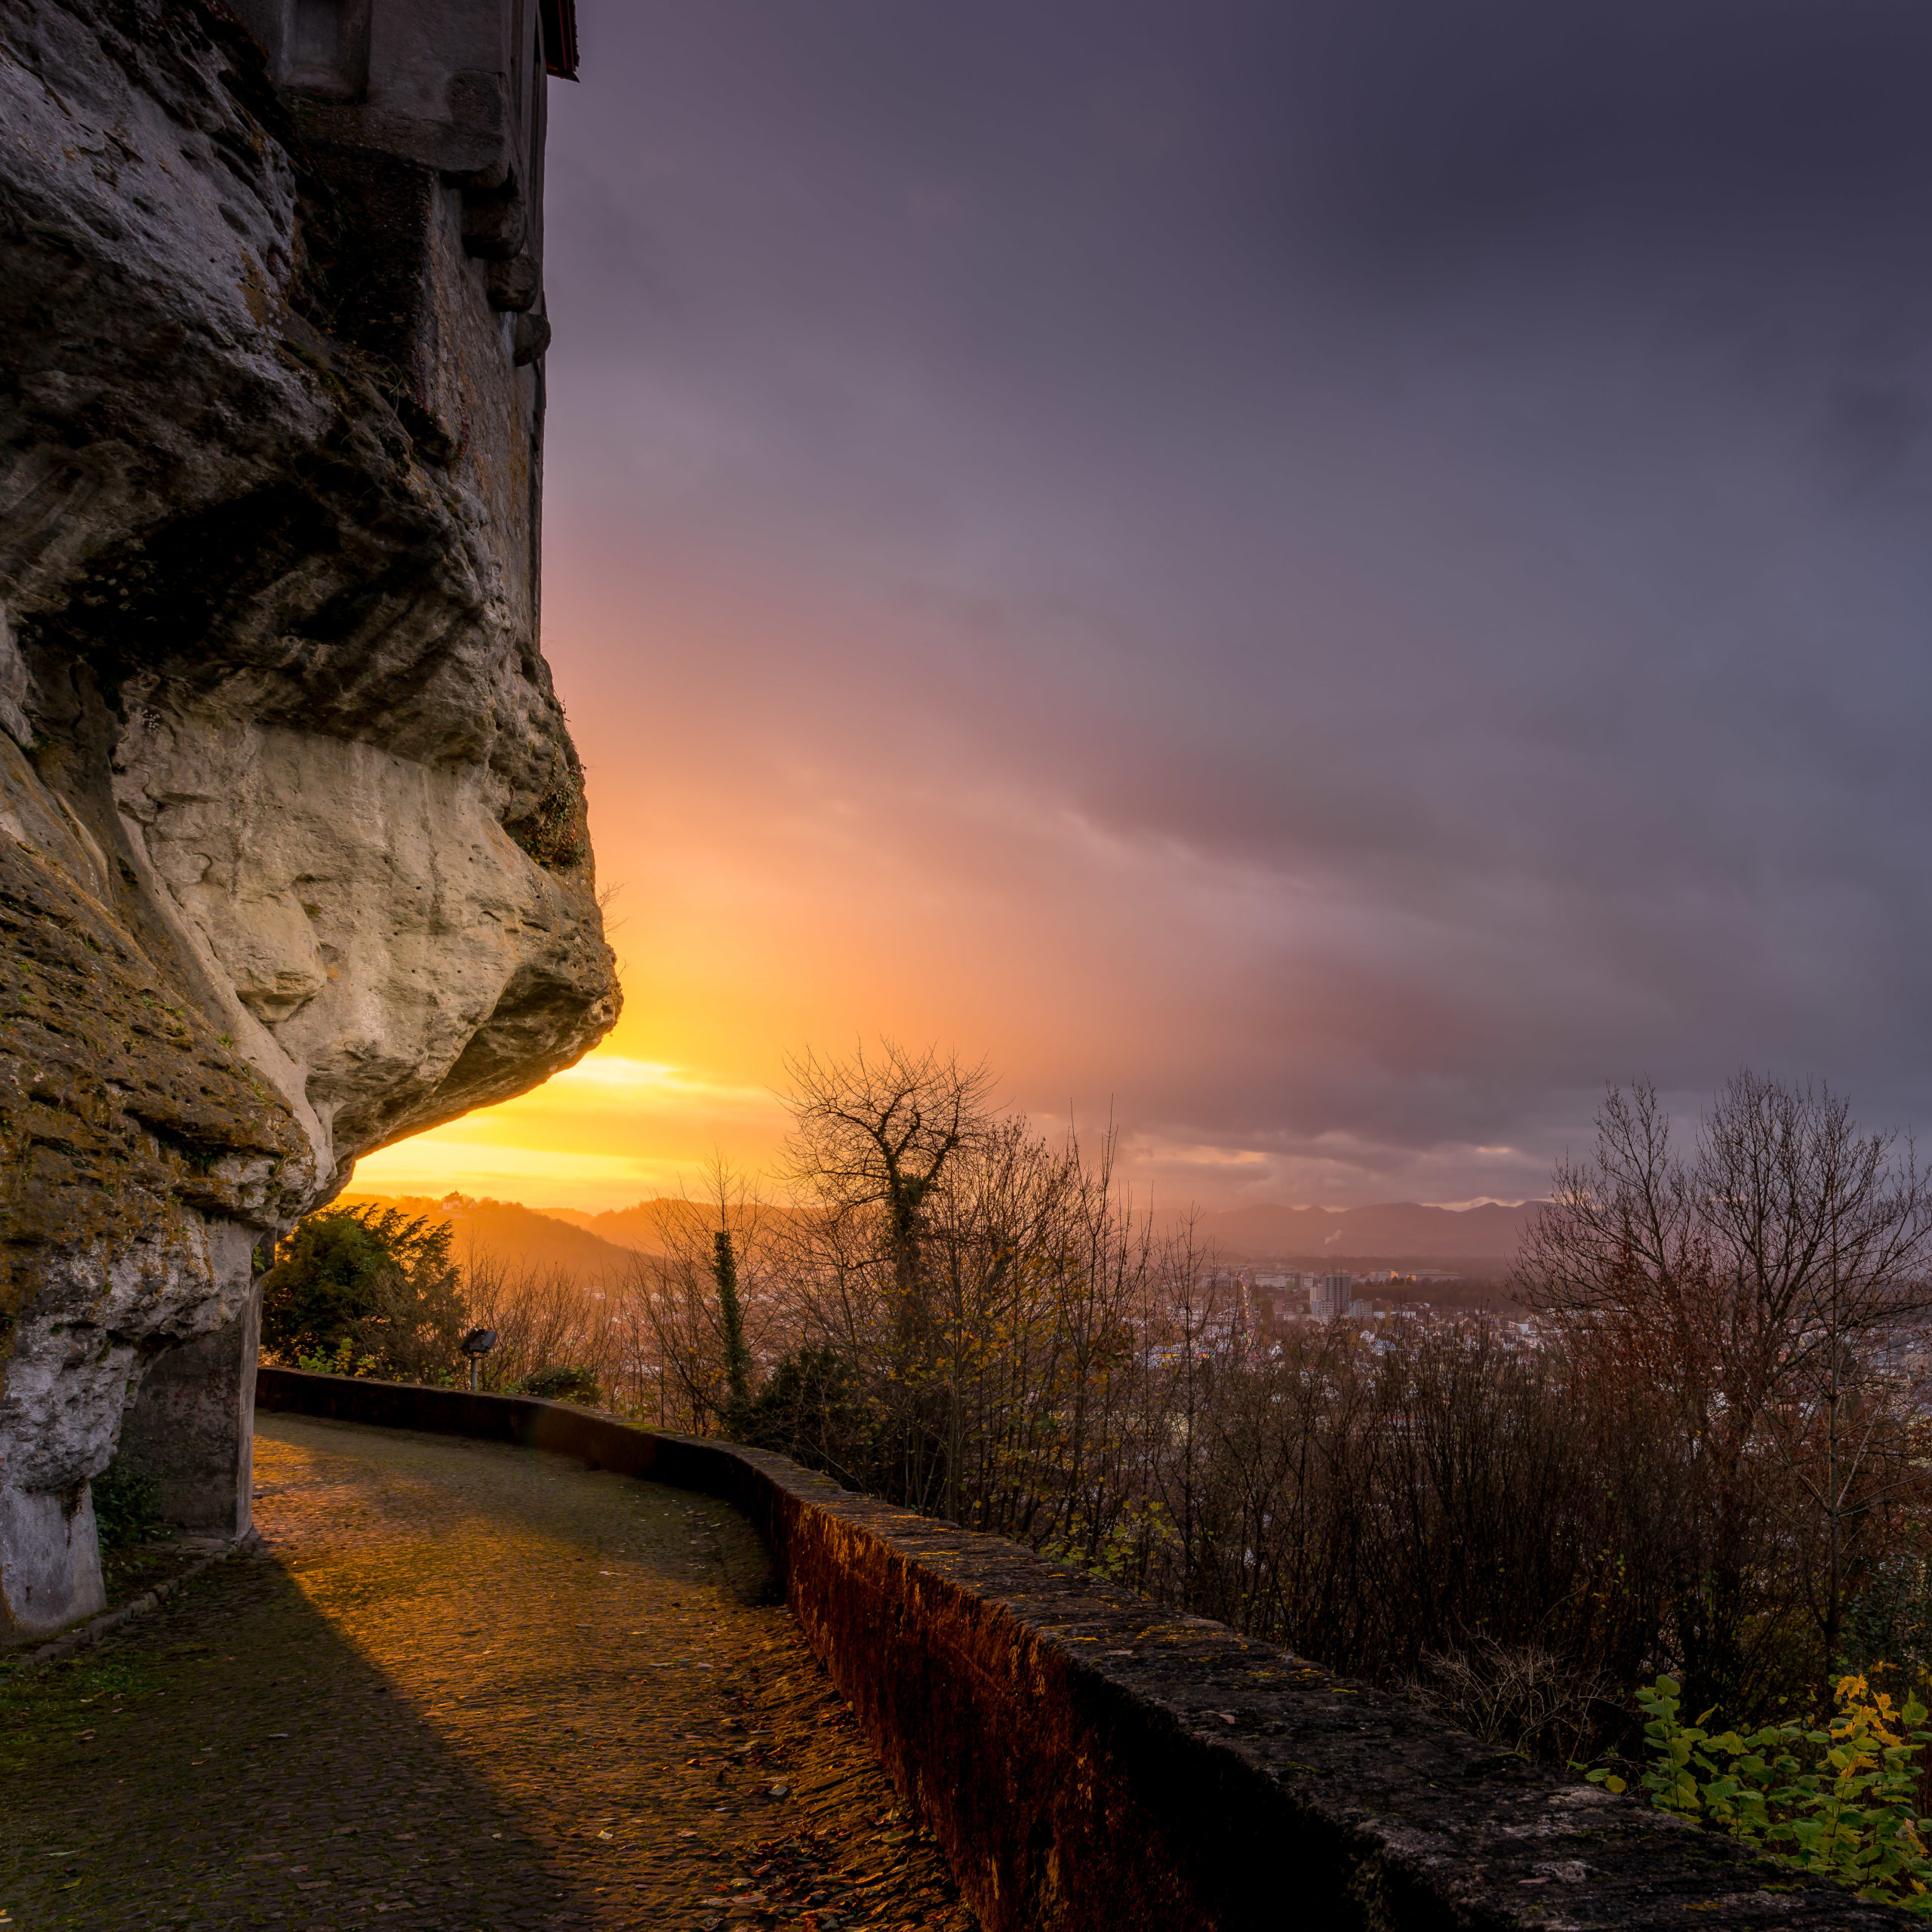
(1250, 1309)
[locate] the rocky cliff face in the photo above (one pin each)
(293, 856)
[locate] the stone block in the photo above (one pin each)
(51, 1575)
(191, 1426)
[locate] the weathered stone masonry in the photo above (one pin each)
(293, 854)
(1091, 1763)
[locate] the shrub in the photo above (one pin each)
(1841, 1801)
(365, 1291)
(343, 1361)
(559, 1384)
(1521, 1697)
(325, 1283)
(555, 833)
(809, 1409)
(127, 1506)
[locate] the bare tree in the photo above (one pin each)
(875, 1138)
(557, 1334)
(872, 1138)
(1748, 1283)
(707, 1299)
(1694, 1466)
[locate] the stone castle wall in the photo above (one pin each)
(293, 859)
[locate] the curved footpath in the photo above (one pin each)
(462, 1686)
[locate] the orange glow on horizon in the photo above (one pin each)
(606, 1133)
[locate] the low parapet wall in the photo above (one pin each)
(1093, 1764)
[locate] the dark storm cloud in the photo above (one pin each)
(1447, 486)
(1432, 126)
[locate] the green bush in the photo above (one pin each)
(809, 1409)
(365, 1291)
(559, 1384)
(127, 1506)
(1841, 1801)
(344, 1362)
(324, 1282)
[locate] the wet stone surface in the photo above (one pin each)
(462, 1687)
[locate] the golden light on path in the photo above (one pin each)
(591, 1693)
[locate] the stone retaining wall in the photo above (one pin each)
(1093, 1764)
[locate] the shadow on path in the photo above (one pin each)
(463, 1686)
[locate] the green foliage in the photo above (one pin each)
(127, 1506)
(1841, 1801)
(555, 834)
(1891, 1617)
(343, 1361)
(737, 1357)
(810, 1408)
(559, 1384)
(365, 1291)
(324, 1283)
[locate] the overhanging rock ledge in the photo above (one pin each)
(293, 859)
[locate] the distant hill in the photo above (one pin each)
(640, 1227)
(518, 1236)
(596, 1246)
(1401, 1231)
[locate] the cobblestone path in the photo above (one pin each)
(462, 1687)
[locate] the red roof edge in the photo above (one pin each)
(559, 19)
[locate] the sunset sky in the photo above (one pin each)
(1324, 578)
